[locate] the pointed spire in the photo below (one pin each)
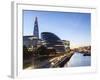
(36, 30)
(36, 20)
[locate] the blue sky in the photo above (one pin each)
(75, 27)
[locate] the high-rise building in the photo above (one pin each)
(32, 41)
(36, 29)
(53, 42)
(48, 39)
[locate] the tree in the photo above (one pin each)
(25, 50)
(26, 53)
(42, 50)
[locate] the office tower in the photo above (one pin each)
(36, 29)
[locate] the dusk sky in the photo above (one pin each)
(71, 26)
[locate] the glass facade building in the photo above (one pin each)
(31, 42)
(53, 41)
(36, 29)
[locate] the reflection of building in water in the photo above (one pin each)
(53, 42)
(48, 39)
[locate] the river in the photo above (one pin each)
(78, 60)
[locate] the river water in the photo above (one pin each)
(78, 60)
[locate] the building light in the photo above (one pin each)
(58, 45)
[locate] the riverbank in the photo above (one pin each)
(51, 61)
(63, 60)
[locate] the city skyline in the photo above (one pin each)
(71, 26)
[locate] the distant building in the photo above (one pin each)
(31, 42)
(53, 42)
(66, 44)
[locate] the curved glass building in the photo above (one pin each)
(53, 42)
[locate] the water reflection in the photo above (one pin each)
(79, 60)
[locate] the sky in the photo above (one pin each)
(71, 26)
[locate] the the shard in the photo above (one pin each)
(36, 29)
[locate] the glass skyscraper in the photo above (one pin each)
(48, 39)
(36, 29)
(53, 41)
